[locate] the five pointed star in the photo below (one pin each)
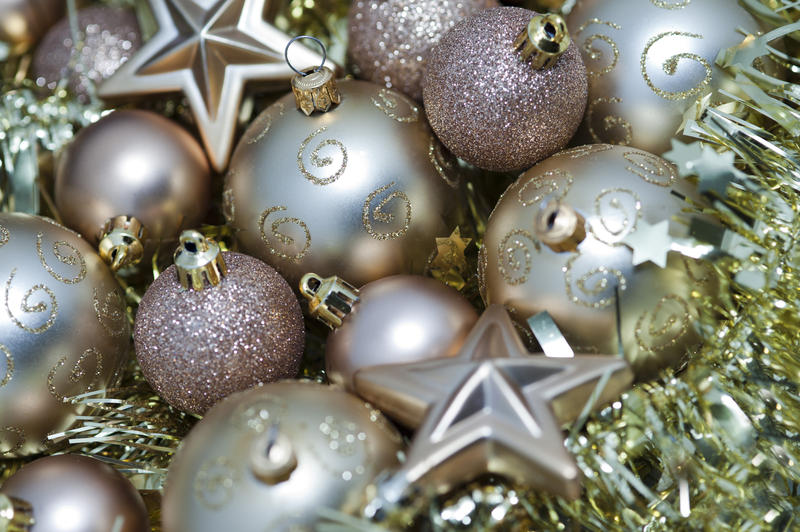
(492, 408)
(209, 49)
(684, 156)
(650, 243)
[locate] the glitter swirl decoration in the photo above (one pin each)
(285, 240)
(592, 286)
(596, 54)
(390, 103)
(72, 258)
(78, 373)
(13, 441)
(652, 169)
(617, 211)
(396, 201)
(610, 122)
(9, 362)
(515, 252)
(27, 306)
(320, 161)
(665, 325)
(109, 310)
(542, 186)
(670, 67)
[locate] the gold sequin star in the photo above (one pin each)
(450, 263)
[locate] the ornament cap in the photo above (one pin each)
(16, 515)
(559, 226)
(543, 41)
(329, 299)
(272, 456)
(121, 242)
(315, 90)
(199, 259)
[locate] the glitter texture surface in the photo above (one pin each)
(492, 109)
(110, 36)
(197, 347)
(389, 40)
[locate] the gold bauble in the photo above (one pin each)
(268, 458)
(616, 191)
(360, 191)
(648, 61)
(63, 330)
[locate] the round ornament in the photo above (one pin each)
(505, 88)
(63, 330)
(215, 323)
(110, 36)
(394, 320)
(566, 236)
(73, 493)
(23, 22)
(360, 191)
(130, 181)
(269, 458)
(388, 41)
(648, 61)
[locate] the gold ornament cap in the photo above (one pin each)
(121, 242)
(543, 41)
(329, 299)
(16, 515)
(559, 226)
(199, 259)
(315, 90)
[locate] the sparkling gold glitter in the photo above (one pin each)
(652, 169)
(9, 365)
(264, 121)
(580, 152)
(26, 307)
(196, 347)
(595, 54)
(670, 66)
(508, 250)
(664, 4)
(75, 257)
(379, 215)
(543, 185)
(321, 162)
(18, 443)
(493, 110)
(78, 372)
(609, 122)
(110, 312)
(617, 211)
(284, 239)
(4, 236)
(601, 293)
(655, 336)
(441, 163)
(388, 102)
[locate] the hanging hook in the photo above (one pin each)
(321, 45)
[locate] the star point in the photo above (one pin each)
(650, 243)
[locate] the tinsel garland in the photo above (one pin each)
(715, 446)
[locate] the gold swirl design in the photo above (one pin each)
(265, 123)
(215, 482)
(441, 163)
(228, 207)
(78, 372)
(19, 439)
(5, 235)
(594, 287)
(699, 271)
(110, 312)
(319, 161)
(28, 308)
(651, 168)
(9, 366)
(514, 256)
(286, 240)
(669, 321)
(388, 102)
(593, 53)
(663, 4)
(580, 152)
(670, 66)
(609, 123)
(556, 183)
(71, 259)
(617, 212)
(385, 217)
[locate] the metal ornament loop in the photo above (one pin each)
(321, 45)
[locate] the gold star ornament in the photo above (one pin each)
(493, 408)
(209, 50)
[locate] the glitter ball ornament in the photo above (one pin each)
(63, 330)
(505, 88)
(649, 61)
(587, 222)
(74, 493)
(389, 41)
(215, 323)
(129, 181)
(269, 458)
(403, 318)
(360, 191)
(109, 37)
(23, 22)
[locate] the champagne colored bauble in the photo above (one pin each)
(63, 329)
(388, 41)
(23, 22)
(648, 61)
(137, 164)
(615, 191)
(269, 458)
(73, 493)
(397, 319)
(197, 346)
(491, 107)
(360, 191)
(110, 36)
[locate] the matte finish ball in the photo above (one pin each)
(23, 22)
(398, 319)
(491, 108)
(63, 329)
(134, 163)
(74, 493)
(196, 347)
(272, 457)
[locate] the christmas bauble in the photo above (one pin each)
(270, 457)
(23, 22)
(131, 180)
(215, 323)
(73, 493)
(110, 36)
(63, 332)
(388, 41)
(558, 241)
(360, 191)
(397, 319)
(649, 61)
(499, 108)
